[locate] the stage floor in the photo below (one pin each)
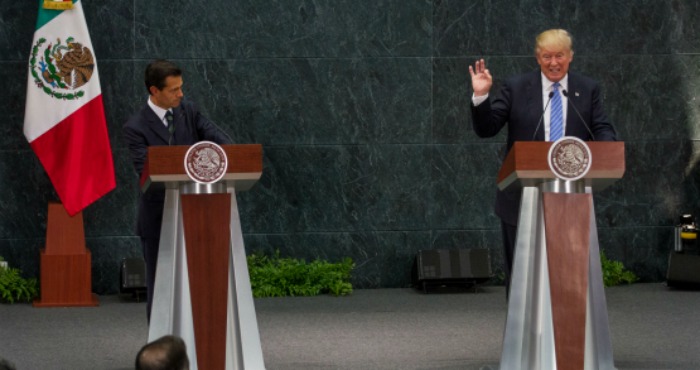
(652, 327)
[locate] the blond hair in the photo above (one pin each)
(554, 39)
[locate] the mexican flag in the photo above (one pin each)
(64, 118)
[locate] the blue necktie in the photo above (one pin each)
(556, 117)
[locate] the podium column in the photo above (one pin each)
(557, 315)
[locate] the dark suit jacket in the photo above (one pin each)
(519, 105)
(145, 129)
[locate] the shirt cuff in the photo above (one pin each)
(476, 100)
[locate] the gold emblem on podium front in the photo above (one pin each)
(569, 158)
(206, 162)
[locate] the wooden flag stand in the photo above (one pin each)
(66, 269)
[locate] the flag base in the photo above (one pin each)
(66, 265)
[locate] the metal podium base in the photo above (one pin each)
(172, 306)
(529, 340)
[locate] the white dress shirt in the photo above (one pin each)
(160, 112)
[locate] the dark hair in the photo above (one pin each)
(165, 353)
(6, 365)
(158, 71)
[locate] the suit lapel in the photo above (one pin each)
(179, 122)
(535, 105)
(155, 124)
(571, 117)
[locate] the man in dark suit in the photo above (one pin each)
(524, 105)
(166, 119)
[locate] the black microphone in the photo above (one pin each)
(221, 130)
(551, 94)
(566, 94)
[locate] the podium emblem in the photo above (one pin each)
(206, 162)
(569, 158)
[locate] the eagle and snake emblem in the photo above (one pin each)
(60, 69)
(570, 158)
(206, 162)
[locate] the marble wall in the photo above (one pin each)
(362, 109)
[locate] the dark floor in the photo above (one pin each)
(652, 327)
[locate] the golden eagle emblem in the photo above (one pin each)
(61, 66)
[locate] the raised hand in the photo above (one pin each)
(481, 78)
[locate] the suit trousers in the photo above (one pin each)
(509, 232)
(150, 255)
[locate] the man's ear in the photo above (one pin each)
(153, 90)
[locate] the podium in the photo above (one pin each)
(557, 313)
(202, 289)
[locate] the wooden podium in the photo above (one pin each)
(557, 313)
(202, 289)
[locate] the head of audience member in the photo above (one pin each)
(554, 52)
(164, 83)
(165, 353)
(6, 365)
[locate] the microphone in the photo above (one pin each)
(224, 133)
(227, 135)
(542, 116)
(566, 94)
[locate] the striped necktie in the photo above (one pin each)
(556, 121)
(171, 125)
(169, 119)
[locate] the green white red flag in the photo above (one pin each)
(64, 118)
